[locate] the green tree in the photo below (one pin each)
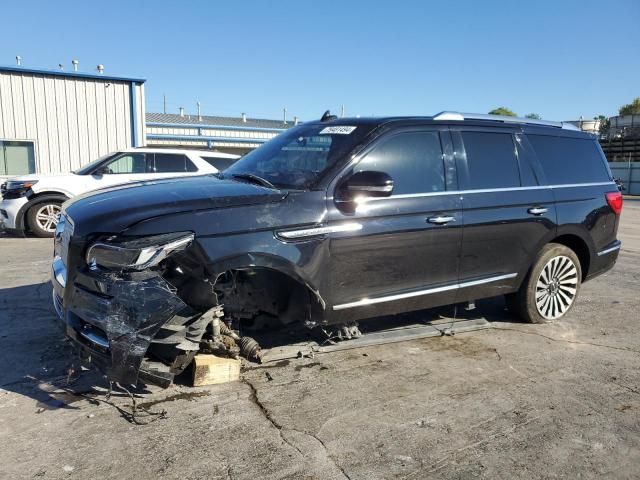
(605, 123)
(632, 108)
(533, 116)
(502, 111)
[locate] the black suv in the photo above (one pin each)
(332, 222)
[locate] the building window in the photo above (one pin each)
(17, 157)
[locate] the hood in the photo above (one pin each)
(39, 176)
(112, 210)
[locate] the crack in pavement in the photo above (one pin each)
(267, 414)
(554, 339)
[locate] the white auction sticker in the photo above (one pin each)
(341, 130)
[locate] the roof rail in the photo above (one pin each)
(456, 116)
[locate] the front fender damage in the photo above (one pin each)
(154, 322)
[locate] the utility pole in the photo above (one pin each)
(284, 113)
(164, 103)
(342, 112)
(199, 116)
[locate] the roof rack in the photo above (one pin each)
(459, 117)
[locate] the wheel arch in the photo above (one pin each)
(581, 248)
(34, 199)
(280, 276)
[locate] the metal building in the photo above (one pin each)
(226, 134)
(55, 121)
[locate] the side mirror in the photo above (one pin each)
(366, 184)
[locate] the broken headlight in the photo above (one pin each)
(135, 253)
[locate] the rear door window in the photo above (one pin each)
(413, 160)
(220, 163)
(173, 163)
(491, 160)
(570, 160)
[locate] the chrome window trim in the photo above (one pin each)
(610, 249)
(592, 184)
(486, 190)
(400, 296)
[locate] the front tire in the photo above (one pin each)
(43, 218)
(549, 290)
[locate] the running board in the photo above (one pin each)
(400, 334)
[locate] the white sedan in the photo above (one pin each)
(32, 202)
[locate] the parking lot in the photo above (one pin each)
(560, 400)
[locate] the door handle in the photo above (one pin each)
(440, 219)
(537, 210)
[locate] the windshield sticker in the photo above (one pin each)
(342, 130)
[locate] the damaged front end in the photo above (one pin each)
(141, 308)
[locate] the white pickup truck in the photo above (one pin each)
(32, 202)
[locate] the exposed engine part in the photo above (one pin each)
(215, 327)
(346, 331)
(226, 331)
(250, 349)
(223, 346)
(224, 341)
(264, 299)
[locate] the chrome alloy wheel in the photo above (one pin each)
(556, 288)
(47, 217)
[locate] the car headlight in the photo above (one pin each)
(16, 188)
(135, 253)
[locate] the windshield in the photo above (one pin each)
(296, 158)
(90, 166)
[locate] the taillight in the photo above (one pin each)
(614, 199)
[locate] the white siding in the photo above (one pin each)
(72, 120)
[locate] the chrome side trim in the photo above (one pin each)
(315, 231)
(59, 271)
(610, 249)
(400, 296)
(484, 190)
(594, 184)
(94, 338)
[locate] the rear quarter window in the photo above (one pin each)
(220, 163)
(570, 160)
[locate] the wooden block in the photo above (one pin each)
(211, 370)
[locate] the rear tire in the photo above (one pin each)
(550, 289)
(43, 217)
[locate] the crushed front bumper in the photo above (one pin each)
(113, 318)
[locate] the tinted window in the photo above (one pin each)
(169, 163)
(413, 160)
(127, 163)
(491, 160)
(219, 163)
(569, 160)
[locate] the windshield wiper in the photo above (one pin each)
(255, 179)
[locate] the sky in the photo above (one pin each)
(560, 59)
